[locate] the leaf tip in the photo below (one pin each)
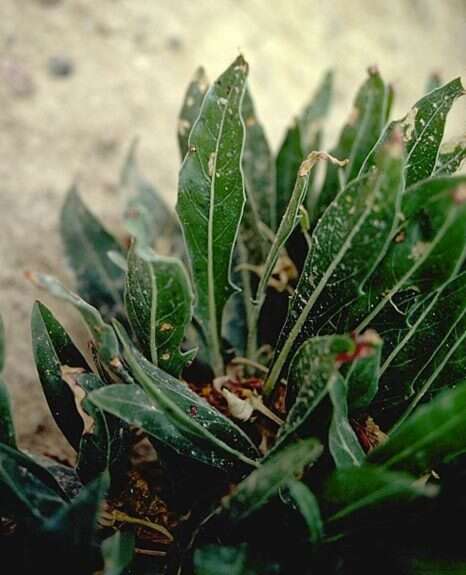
(201, 79)
(241, 65)
(459, 194)
(395, 143)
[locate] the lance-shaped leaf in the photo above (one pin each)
(451, 157)
(190, 108)
(343, 442)
(103, 334)
(359, 135)
(311, 123)
(74, 528)
(313, 371)
(264, 482)
(53, 351)
(303, 137)
(362, 377)
(430, 353)
(288, 161)
(158, 301)
(423, 128)
(427, 250)
(301, 498)
(131, 404)
(237, 312)
(287, 225)
(251, 248)
(7, 427)
(147, 216)
(118, 552)
(430, 435)
(211, 199)
(27, 488)
(355, 490)
(258, 166)
(104, 443)
(347, 244)
(87, 244)
(314, 113)
(176, 410)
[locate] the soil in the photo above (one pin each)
(79, 79)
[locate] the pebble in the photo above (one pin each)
(174, 43)
(106, 146)
(60, 66)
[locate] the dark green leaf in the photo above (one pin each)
(87, 244)
(430, 354)
(358, 137)
(74, 527)
(343, 442)
(252, 246)
(238, 309)
(104, 336)
(347, 245)
(390, 100)
(147, 217)
(158, 301)
(304, 501)
(184, 410)
(360, 488)
(287, 224)
(314, 114)
(429, 436)
(191, 107)
(104, 444)
(264, 483)
(427, 250)
(133, 405)
(54, 352)
(211, 199)
(258, 165)
(288, 161)
(423, 128)
(313, 370)
(118, 552)
(26, 487)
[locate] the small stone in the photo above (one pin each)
(106, 146)
(60, 66)
(174, 43)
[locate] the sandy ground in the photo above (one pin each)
(131, 61)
